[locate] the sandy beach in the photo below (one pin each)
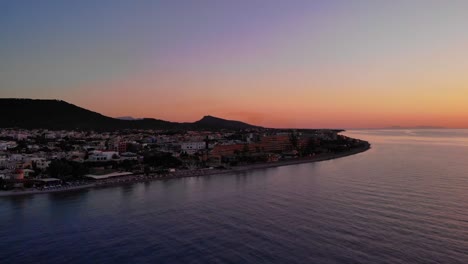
(135, 178)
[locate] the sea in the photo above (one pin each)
(403, 201)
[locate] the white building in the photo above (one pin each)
(41, 163)
(50, 135)
(102, 155)
(3, 161)
(193, 147)
(16, 157)
(5, 145)
(128, 156)
(21, 136)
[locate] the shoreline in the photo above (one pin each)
(137, 178)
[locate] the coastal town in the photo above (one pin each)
(40, 160)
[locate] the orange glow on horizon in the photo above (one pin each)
(280, 102)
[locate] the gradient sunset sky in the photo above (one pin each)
(275, 63)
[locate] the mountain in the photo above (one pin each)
(219, 123)
(57, 114)
(415, 127)
(128, 118)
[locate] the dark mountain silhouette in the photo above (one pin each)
(414, 127)
(57, 114)
(128, 118)
(219, 123)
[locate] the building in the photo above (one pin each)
(128, 156)
(40, 163)
(276, 143)
(226, 150)
(16, 157)
(18, 174)
(102, 155)
(50, 135)
(113, 144)
(21, 136)
(5, 145)
(193, 146)
(266, 144)
(122, 147)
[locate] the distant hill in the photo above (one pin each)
(414, 127)
(219, 123)
(57, 114)
(128, 118)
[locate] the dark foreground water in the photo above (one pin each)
(404, 201)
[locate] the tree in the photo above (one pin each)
(165, 160)
(245, 149)
(146, 170)
(2, 183)
(59, 169)
(294, 140)
(66, 170)
(127, 165)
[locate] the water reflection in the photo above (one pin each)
(18, 202)
(127, 189)
(68, 195)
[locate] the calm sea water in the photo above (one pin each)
(403, 201)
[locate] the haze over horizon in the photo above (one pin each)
(334, 64)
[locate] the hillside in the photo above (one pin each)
(219, 123)
(56, 114)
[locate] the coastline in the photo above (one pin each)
(137, 178)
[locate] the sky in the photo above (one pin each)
(275, 63)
